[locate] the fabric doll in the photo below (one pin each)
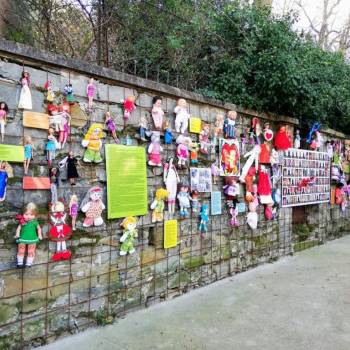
(215, 172)
(6, 172)
(297, 139)
(28, 233)
(90, 91)
(253, 158)
(129, 235)
(204, 138)
(234, 214)
(93, 206)
(72, 172)
(282, 142)
(25, 98)
(195, 201)
(182, 116)
(255, 131)
(168, 136)
(155, 149)
(28, 153)
(204, 219)
(231, 190)
(171, 179)
(230, 159)
(184, 200)
(51, 146)
(157, 112)
(194, 153)
(54, 181)
(184, 143)
(3, 118)
(111, 126)
(59, 232)
(68, 92)
(229, 125)
(129, 107)
(264, 186)
(73, 210)
(92, 142)
(158, 205)
(143, 127)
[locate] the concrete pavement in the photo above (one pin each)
(297, 303)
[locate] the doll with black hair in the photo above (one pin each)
(25, 98)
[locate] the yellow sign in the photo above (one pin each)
(126, 181)
(195, 125)
(170, 234)
(36, 120)
(11, 153)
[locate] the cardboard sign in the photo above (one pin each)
(36, 183)
(11, 153)
(170, 234)
(200, 179)
(241, 207)
(79, 117)
(126, 181)
(195, 125)
(36, 120)
(215, 203)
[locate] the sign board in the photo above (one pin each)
(200, 179)
(215, 203)
(195, 125)
(11, 153)
(36, 183)
(36, 120)
(170, 234)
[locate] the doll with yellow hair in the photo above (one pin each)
(92, 142)
(158, 205)
(129, 235)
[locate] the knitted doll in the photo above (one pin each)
(129, 107)
(155, 149)
(3, 118)
(204, 218)
(252, 216)
(93, 207)
(90, 91)
(73, 210)
(282, 142)
(158, 205)
(68, 92)
(168, 136)
(50, 96)
(70, 163)
(171, 179)
(253, 158)
(230, 158)
(182, 116)
(6, 172)
(129, 235)
(25, 98)
(184, 201)
(182, 153)
(51, 146)
(92, 142)
(204, 139)
(143, 127)
(249, 184)
(229, 125)
(28, 234)
(60, 232)
(28, 153)
(157, 112)
(231, 190)
(297, 139)
(111, 126)
(264, 186)
(194, 153)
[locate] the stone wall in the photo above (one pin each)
(97, 285)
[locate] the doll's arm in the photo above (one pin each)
(85, 207)
(150, 148)
(18, 231)
(154, 204)
(124, 237)
(85, 143)
(103, 206)
(38, 230)
(63, 162)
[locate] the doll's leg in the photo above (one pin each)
(31, 254)
(53, 193)
(98, 221)
(2, 125)
(74, 220)
(184, 125)
(21, 249)
(177, 124)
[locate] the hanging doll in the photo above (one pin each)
(297, 139)
(230, 158)
(195, 201)
(93, 206)
(265, 148)
(73, 210)
(215, 172)
(28, 234)
(54, 181)
(171, 179)
(6, 172)
(249, 179)
(234, 214)
(155, 149)
(253, 159)
(229, 125)
(218, 131)
(111, 126)
(168, 136)
(255, 131)
(264, 186)
(184, 200)
(231, 190)
(182, 116)
(129, 235)
(194, 153)
(204, 139)
(51, 146)
(54, 117)
(92, 142)
(157, 112)
(60, 232)
(158, 205)
(68, 92)
(243, 142)
(282, 142)
(63, 127)
(72, 172)
(28, 153)
(50, 96)
(129, 107)
(25, 98)
(143, 127)
(90, 91)
(3, 118)
(338, 193)
(204, 219)
(252, 216)
(183, 144)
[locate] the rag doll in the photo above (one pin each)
(90, 91)
(129, 107)
(264, 186)
(171, 180)
(73, 210)
(158, 205)
(204, 139)
(297, 139)
(155, 149)
(204, 219)
(252, 216)
(92, 142)
(234, 213)
(182, 116)
(183, 144)
(218, 129)
(231, 190)
(157, 112)
(6, 172)
(51, 146)
(282, 142)
(28, 234)
(28, 153)
(25, 98)
(229, 125)
(168, 136)
(184, 200)
(111, 126)
(93, 207)
(70, 163)
(129, 235)
(3, 118)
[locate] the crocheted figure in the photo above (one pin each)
(25, 98)
(194, 153)
(158, 205)
(282, 142)
(229, 125)
(182, 116)
(93, 207)
(92, 142)
(171, 179)
(234, 214)
(129, 107)
(182, 152)
(184, 201)
(204, 138)
(204, 219)
(129, 235)
(155, 149)
(3, 118)
(157, 112)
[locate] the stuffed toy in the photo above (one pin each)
(157, 112)
(155, 149)
(182, 149)
(229, 127)
(234, 214)
(182, 116)
(282, 142)
(184, 200)
(158, 205)
(129, 234)
(92, 142)
(264, 186)
(129, 107)
(93, 207)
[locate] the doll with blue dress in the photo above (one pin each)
(28, 153)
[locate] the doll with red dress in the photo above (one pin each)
(265, 149)
(282, 141)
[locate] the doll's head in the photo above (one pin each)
(30, 212)
(266, 125)
(282, 128)
(166, 124)
(73, 200)
(181, 102)
(157, 101)
(232, 115)
(219, 120)
(26, 75)
(108, 115)
(183, 188)
(3, 106)
(53, 171)
(58, 207)
(255, 122)
(194, 194)
(27, 140)
(131, 98)
(161, 194)
(184, 140)
(129, 223)
(206, 128)
(230, 180)
(95, 193)
(95, 131)
(194, 146)
(297, 132)
(51, 131)
(91, 80)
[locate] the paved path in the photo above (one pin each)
(297, 303)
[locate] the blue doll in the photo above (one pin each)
(204, 218)
(168, 136)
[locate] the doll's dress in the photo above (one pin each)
(264, 156)
(28, 152)
(282, 141)
(60, 232)
(168, 137)
(25, 98)
(3, 183)
(157, 115)
(184, 200)
(110, 125)
(73, 211)
(28, 233)
(90, 90)
(72, 172)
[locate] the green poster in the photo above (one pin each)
(11, 153)
(126, 181)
